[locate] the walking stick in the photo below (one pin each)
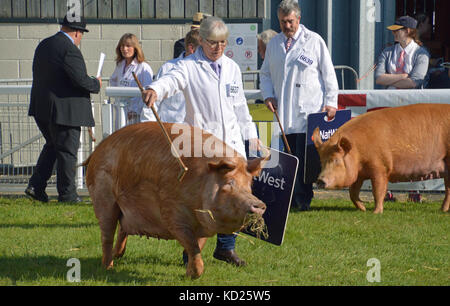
(183, 167)
(283, 134)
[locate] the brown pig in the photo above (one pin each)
(132, 180)
(401, 144)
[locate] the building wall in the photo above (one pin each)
(18, 42)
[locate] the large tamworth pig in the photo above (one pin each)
(132, 180)
(401, 144)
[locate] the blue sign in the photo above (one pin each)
(327, 129)
(239, 41)
(275, 186)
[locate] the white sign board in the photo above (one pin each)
(243, 45)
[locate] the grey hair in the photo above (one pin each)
(288, 6)
(266, 36)
(213, 28)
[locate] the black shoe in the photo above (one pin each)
(36, 195)
(229, 256)
(75, 200)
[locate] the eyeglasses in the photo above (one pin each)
(213, 44)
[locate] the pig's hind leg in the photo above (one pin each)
(354, 195)
(121, 242)
(446, 203)
(379, 189)
(107, 212)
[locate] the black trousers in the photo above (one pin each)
(303, 193)
(61, 147)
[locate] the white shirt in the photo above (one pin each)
(214, 104)
(171, 109)
(303, 80)
(123, 77)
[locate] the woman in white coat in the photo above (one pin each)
(215, 101)
(298, 78)
(130, 58)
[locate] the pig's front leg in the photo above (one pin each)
(181, 229)
(379, 189)
(446, 203)
(191, 245)
(354, 195)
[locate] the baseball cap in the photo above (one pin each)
(403, 22)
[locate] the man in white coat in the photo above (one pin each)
(298, 78)
(215, 102)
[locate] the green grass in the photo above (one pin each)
(329, 245)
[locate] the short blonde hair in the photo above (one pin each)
(138, 53)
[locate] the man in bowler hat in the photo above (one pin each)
(60, 104)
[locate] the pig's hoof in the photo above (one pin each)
(108, 266)
(378, 211)
(192, 274)
(195, 270)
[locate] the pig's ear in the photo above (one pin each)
(255, 165)
(345, 144)
(316, 138)
(222, 166)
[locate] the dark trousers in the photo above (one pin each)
(61, 147)
(303, 193)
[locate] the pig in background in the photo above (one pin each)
(132, 180)
(401, 144)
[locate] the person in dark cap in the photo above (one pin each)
(60, 104)
(179, 46)
(405, 64)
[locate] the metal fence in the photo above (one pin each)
(21, 141)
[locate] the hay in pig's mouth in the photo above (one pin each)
(255, 224)
(252, 222)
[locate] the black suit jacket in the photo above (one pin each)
(178, 48)
(61, 86)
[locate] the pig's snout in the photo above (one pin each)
(321, 184)
(257, 207)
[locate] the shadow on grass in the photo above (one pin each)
(334, 208)
(32, 225)
(53, 270)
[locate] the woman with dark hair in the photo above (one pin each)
(405, 64)
(130, 58)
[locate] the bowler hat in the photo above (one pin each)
(77, 24)
(403, 22)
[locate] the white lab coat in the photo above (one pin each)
(125, 79)
(303, 81)
(171, 109)
(216, 105)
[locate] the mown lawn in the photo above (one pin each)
(329, 245)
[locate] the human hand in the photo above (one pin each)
(331, 112)
(271, 104)
(149, 97)
(99, 80)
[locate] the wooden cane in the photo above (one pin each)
(183, 167)
(286, 144)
